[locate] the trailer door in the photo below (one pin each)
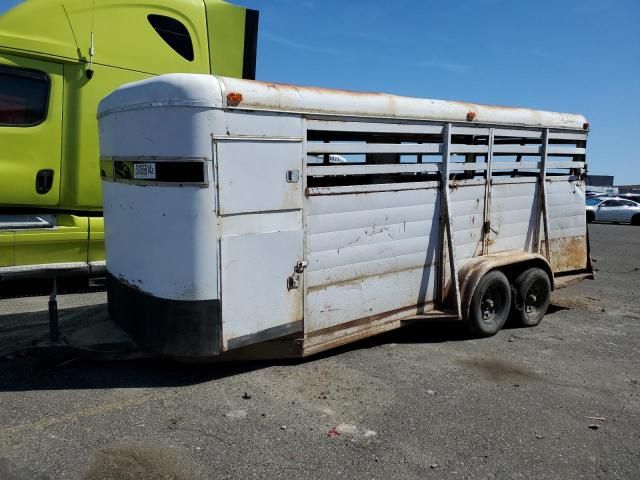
(260, 220)
(30, 131)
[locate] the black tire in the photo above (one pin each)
(591, 217)
(532, 294)
(635, 220)
(490, 304)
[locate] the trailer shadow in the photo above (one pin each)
(25, 371)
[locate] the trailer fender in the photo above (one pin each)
(512, 263)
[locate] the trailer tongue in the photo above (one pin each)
(228, 225)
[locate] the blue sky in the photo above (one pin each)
(6, 4)
(578, 56)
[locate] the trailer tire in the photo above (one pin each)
(635, 220)
(490, 304)
(531, 297)
(591, 217)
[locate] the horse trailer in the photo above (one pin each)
(228, 227)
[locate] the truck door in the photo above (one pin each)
(30, 131)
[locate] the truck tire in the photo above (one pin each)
(635, 220)
(490, 304)
(591, 217)
(532, 294)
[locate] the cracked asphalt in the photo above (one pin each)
(561, 400)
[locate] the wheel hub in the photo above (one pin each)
(532, 300)
(488, 308)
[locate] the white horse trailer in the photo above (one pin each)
(224, 230)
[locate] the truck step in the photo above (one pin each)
(25, 222)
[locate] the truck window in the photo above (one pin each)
(174, 33)
(24, 96)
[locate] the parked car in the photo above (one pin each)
(592, 194)
(634, 197)
(616, 209)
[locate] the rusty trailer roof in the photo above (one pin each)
(212, 91)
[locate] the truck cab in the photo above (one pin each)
(58, 58)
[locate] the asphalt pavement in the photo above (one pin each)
(561, 400)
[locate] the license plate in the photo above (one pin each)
(144, 171)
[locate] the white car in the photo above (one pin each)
(617, 210)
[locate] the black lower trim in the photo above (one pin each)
(172, 327)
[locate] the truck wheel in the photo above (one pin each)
(635, 220)
(532, 294)
(591, 217)
(490, 304)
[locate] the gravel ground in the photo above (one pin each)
(561, 400)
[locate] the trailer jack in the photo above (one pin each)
(54, 329)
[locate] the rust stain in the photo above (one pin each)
(297, 88)
(372, 319)
(372, 330)
(562, 281)
(324, 90)
(568, 253)
(358, 280)
(364, 327)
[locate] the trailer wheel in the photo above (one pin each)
(490, 304)
(532, 294)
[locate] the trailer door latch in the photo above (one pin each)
(293, 281)
(293, 176)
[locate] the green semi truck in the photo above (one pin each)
(58, 58)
